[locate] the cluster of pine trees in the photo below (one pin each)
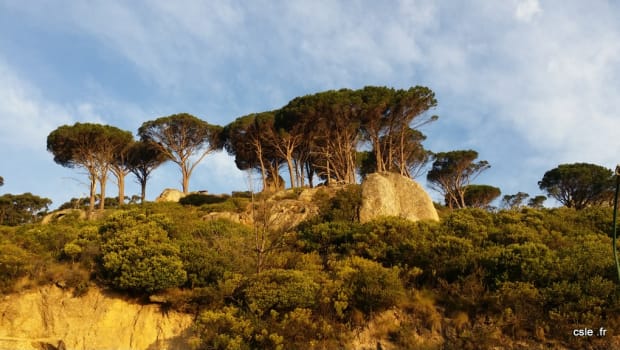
(335, 136)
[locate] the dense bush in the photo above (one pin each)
(198, 199)
(344, 205)
(17, 209)
(367, 286)
(212, 249)
(15, 262)
(475, 279)
(278, 290)
(138, 255)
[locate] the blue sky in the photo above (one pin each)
(528, 84)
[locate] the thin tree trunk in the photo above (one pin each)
(102, 185)
(93, 190)
(291, 171)
(121, 188)
(402, 153)
(328, 173)
(142, 190)
(185, 174)
(299, 172)
(263, 173)
(310, 173)
(378, 155)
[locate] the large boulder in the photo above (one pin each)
(391, 194)
(170, 195)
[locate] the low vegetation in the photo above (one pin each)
(475, 280)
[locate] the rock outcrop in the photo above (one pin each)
(52, 318)
(391, 194)
(61, 214)
(240, 218)
(170, 195)
(288, 213)
(282, 214)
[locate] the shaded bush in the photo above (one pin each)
(366, 285)
(17, 209)
(344, 205)
(198, 199)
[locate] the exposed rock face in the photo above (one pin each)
(170, 195)
(240, 218)
(282, 215)
(51, 318)
(60, 214)
(391, 194)
(288, 213)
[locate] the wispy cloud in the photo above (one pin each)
(529, 84)
(27, 117)
(527, 9)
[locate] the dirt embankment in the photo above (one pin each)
(52, 318)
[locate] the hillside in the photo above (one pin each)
(511, 279)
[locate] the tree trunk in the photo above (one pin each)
(102, 183)
(142, 190)
(329, 175)
(402, 153)
(259, 155)
(93, 190)
(378, 155)
(185, 180)
(121, 188)
(299, 172)
(310, 173)
(291, 171)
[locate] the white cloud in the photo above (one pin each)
(26, 117)
(169, 42)
(551, 85)
(565, 89)
(218, 173)
(527, 9)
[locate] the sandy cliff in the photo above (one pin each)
(51, 318)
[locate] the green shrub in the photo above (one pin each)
(228, 206)
(15, 262)
(523, 307)
(213, 248)
(367, 286)
(278, 290)
(471, 223)
(241, 194)
(586, 256)
(46, 240)
(224, 329)
(344, 205)
(393, 241)
(328, 238)
(139, 256)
